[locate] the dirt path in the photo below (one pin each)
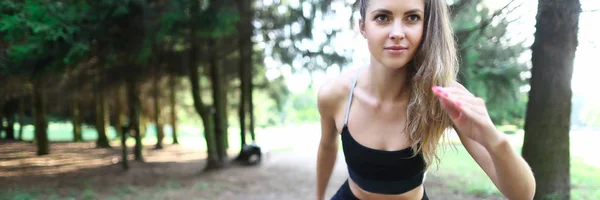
(79, 171)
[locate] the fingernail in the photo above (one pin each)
(440, 91)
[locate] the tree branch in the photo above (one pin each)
(454, 8)
(465, 33)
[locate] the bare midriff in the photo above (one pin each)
(414, 194)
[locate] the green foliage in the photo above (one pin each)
(279, 92)
(589, 113)
(172, 21)
(217, 22)
(212, 22)
(265, 110)
(37, 30)
(120, 10)
(289, 35)
(304, 107)
(508, 129)
(489, 63)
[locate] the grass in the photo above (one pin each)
(585, 180)
(461, 172)
(31, 194)
(125, 190)
(189, 136)
(89, 194)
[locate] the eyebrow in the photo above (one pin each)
(381, 10)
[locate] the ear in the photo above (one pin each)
(361, 25)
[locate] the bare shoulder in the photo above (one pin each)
(334, 92)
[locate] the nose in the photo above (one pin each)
(397, 32)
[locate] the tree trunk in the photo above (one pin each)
(102, 141)
(76, 119)
(213, 161)
(10, 129)
(122, 130)
(157, 121)
(106, 120)
(463, 71)
(133, 100)
(172, 95)
(251, 107)
(224, 114)
(21, 117)
(219, 103)
(119, 108)
(39, 113)
(250, 100)
(245, 65)
(124, 158)
(546, 142)
(1, 120)
(242, 116)
(207, 119)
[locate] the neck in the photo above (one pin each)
(386, 84)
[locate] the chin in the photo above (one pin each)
(394, 63)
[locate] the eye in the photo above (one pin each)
(381, 18)
(413, 18)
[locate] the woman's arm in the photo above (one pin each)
(326, 157)
(490, 148)
(507, 170)
(328, 145)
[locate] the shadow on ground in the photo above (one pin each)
(81, 171)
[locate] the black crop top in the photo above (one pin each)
(379, 171)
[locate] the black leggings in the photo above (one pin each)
(344, 193)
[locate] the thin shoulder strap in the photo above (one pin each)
(350, 97)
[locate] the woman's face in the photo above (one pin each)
(393, 29)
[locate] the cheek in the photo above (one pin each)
(419, 32)
(415, 36)
(382, 37)
(376, 38)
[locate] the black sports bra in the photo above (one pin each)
(379, 171)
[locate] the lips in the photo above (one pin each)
(396, 49)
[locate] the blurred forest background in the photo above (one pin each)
(187, 84)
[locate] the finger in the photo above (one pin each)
(464, 97)
(448, 104)
(455, 90)
(476, 104)
(461, 113)
(455, 93)
(456, 108)
(457, 84)
(450, 107)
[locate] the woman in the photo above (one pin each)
(392, 113)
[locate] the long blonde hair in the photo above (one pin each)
(434, 64)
